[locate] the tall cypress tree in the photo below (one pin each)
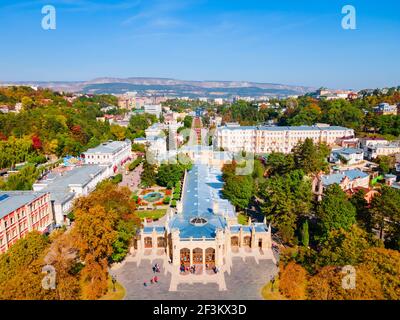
(305, 237)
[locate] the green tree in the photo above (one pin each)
(344, 247)
(148, 176)
(238, 190)
(280, 163)
(335, 211)
(169, 174)
(364, 217)
(285, 199)
(311, 158)
(305, 237)
(386, 163)
(385, 212)
(138, 124)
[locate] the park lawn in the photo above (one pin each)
(243, 219)
(152, 214)
(267, 294)
(119, 294)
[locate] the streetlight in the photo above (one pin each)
(113, 280)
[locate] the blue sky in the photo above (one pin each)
(286, 41)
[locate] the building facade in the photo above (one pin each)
(22, 212)
(64, 188)
(154, 109)
(386, 109)
(114, 153)
(267, 139)
(348, 156)
(203, 234)
(347, 180)
(377, 150)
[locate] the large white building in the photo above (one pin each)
(65, 187)
(153, 109)
(155, 130)
(114, 153)
(348, 156)
(377, 150)
(267, 139)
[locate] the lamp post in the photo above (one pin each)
(272, 283)
(113, 280)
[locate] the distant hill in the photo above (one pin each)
(173, 87)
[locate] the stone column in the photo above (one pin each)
(204, 255)
(141, 242)
(253, 243)
(175, 247)
(154, 239)
(219, 256)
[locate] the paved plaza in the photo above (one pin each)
(244, 283)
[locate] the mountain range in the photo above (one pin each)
(171, 87)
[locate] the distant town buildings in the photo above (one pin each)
(347, 180)
(326, 94)
(267, 139)
(386, 109)
(154, 109)
(22, 212)
(127, 100)
(377, 150)
(219, 101)
(348, 156)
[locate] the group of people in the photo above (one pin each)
(184, 268)
(192, 269)
(154, 279)
(156, 268)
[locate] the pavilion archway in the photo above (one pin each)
(210, 258)
(197, 256)
(247, 241)
(161, 243)
(235, 241)
(148, 242)
(185, 257)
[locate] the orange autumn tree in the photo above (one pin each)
(327, 284)
(94, 233)
(21, 268)
(63, 257)
(384, 265)
(94, 278)
(293, 281)
(111, 197)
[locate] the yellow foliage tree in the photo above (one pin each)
(327, 284)
(293, 281)
(94, 232)
(384, 265)
(94, 279)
